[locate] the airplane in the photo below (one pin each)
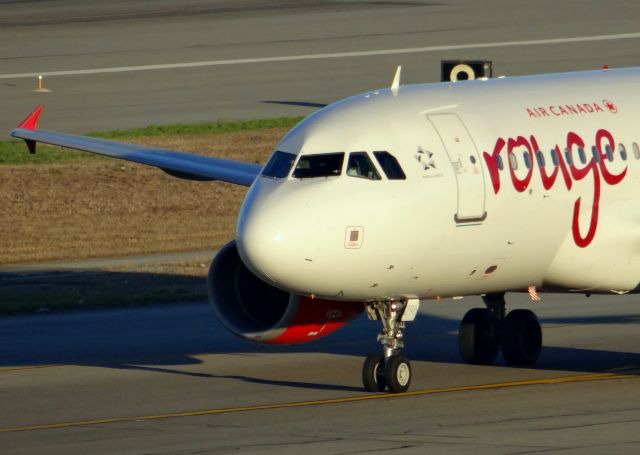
(425, 192)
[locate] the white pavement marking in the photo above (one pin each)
(289, 58)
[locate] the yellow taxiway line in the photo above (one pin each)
(300, 404)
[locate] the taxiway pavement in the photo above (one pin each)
(170, 379)
(72, 36)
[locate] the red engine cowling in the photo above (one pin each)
(257, 311)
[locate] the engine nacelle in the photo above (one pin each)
(259, 312)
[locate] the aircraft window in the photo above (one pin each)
(500, 162)
(609, 152)
(636, 150)
(568, 156)
(360, 165)
(623, 152)
(527, 160)
(390, 166)
(554, 157)
(596, 154)
(513, 161)
(582, 155)
(540, 157)
(279, 165)
(324, 165)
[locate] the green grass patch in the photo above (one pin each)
(186, 129)
(14, 151)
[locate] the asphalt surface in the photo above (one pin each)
(39, 37)
(169, 379)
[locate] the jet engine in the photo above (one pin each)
(259, 312)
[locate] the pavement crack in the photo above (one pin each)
(586, 425)
(278, 444)
(385, 449)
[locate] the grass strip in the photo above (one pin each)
(187, 129)
(35, 292)
(14, 152)
(47, 302)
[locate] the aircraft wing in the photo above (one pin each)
(178, 164)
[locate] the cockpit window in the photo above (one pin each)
(324, 165)
(360, 165)
(279, 165)
(390, 166)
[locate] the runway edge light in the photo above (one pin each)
(41, 88)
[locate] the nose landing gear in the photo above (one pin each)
(392, 370)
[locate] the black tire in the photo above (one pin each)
(477, 338)
(397, 373)
(521, 339)
(373, 374)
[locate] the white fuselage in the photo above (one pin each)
(458, 224)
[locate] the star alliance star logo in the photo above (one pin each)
(426, 159)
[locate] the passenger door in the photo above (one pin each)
(467, 168)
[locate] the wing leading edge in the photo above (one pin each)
(178, 164)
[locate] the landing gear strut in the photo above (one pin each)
(391, 370)
(485, 331)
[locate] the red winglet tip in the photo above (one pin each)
(31, 122)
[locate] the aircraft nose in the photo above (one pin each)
(277, 235)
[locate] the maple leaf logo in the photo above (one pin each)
(611, 106)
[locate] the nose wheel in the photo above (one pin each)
(380, 374)
(397, 373)
(391, 371)
(373, 374)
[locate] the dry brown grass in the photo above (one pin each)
(102, 208)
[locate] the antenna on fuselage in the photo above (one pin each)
(395, 85)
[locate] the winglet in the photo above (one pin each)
(395, 85)
(31, 122)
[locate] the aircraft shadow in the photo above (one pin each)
(166, 337)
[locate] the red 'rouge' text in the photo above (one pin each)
(567, 173)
